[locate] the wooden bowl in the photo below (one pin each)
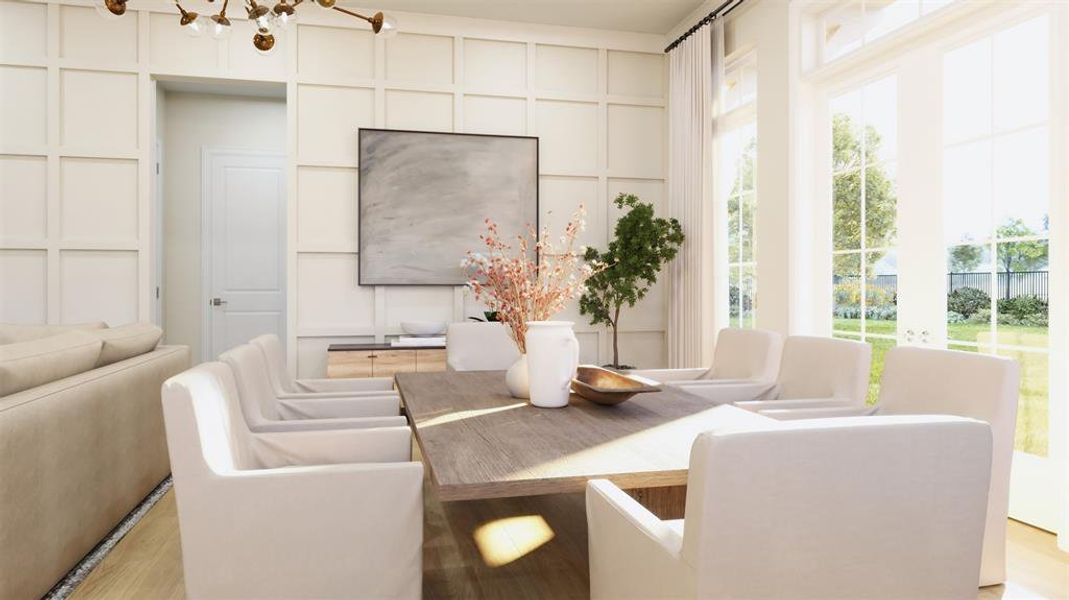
(602, 386)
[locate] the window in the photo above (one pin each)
(848, 28)
(739, 150)
(737, 189)
(941, 182)
(996, 194)
(864, 218)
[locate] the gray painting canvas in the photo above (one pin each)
(424, 197)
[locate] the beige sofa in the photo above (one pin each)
(81, 442)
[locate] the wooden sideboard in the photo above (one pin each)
(382, 360)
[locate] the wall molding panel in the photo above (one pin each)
(596, 98)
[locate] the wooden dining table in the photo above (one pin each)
(504, 504)
(479, 442)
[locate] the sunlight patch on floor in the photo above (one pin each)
(505, 540)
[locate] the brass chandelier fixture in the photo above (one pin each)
(269, 21)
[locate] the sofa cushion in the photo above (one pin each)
(24, 365)
(11, 333)
(128, 341)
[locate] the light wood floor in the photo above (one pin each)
(537, 546)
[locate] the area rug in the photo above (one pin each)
(77, 575)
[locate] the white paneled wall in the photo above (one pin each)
(76, 156)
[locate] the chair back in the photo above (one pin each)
(257, 397)
(862, 507)
(746, 354)
(480, 347)
(277, 369)
(200, 414)
(967, 384)
(820, 367)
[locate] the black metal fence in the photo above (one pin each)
(1007, 285)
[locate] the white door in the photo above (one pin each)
(947, 216)
(244, 247)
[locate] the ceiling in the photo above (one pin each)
(648, 16)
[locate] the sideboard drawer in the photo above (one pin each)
(388, 363)
(367, 360)
(351, 363)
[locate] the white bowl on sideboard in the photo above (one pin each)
(423, 328)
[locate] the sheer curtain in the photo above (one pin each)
(696, 71)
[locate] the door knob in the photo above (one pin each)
(218, 302)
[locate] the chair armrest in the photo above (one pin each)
(370, 384)
(796, 403)
(332, 408)
(727, 393)
(357, 528)
(818, 413)
(633, 554)
(356, 394)
(668, 375)
(332, 446)
(327, 424)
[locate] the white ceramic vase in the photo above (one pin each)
(516, 379)
(552, 357)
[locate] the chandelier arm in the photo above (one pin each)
(351, 13)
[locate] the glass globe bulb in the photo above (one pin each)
(285, 19)
(264, 23)
(220, 28)
(389, 27)
(197, 27)
(104, 10)
(264, 43)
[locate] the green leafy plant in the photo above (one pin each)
(967, 300)
(641, 245)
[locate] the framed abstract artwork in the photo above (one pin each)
(424, 196)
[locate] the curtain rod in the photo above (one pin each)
(720, 11)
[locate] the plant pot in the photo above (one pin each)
(516, 379)
(552, 357)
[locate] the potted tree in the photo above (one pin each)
(642, 243)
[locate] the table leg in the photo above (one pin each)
(665, 502)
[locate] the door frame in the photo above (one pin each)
(208, 155)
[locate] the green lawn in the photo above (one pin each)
(1032, 415)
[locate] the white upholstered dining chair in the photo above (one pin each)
(306, 514)
(947, 382)
(266, 410)
(745, 364)
(479, 347)
(889, 507)
(813, 371)
(284, 383)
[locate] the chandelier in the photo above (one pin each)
(268, 21)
